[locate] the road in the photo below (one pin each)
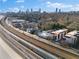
(6, 52)
(3, 54)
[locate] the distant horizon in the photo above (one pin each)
(41, 11)
(45, 5)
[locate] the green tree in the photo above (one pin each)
(73, 26)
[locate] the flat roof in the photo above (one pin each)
(18, 20)
(59, 31)
(72, 33)
(70, 36)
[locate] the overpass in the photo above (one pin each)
(31, 46)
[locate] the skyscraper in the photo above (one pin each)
(40, 10)
(56, 10)
(59, 10)
(31, 10)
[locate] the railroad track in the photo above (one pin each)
(47, 46)
(40, 52)
(22, 50)
(45, 56)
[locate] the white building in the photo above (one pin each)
(59, 34)
(18, 21)
(71, 38)
(45, 34)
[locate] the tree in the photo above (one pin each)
(73, 26)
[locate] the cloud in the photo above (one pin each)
(20, 1)
(0, 10)
(57, 5)
(75, 7)
(15, 9)
(22, 7)
(3, 0)
(71, 7)
(42, 0)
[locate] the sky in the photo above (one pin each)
(45, 5)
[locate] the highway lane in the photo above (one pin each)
(6, 52)
(3, 54)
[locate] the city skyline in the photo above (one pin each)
(45, 5)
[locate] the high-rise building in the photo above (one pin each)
(31, 10)
(56, 10)
(27, 10)
(40, 10)
(59, 10)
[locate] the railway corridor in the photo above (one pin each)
(6, 52)
(24, 53)
(32, 47)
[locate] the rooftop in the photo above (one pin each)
(17, 20)
(68, 36)
(71, 34)
(59, 31)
